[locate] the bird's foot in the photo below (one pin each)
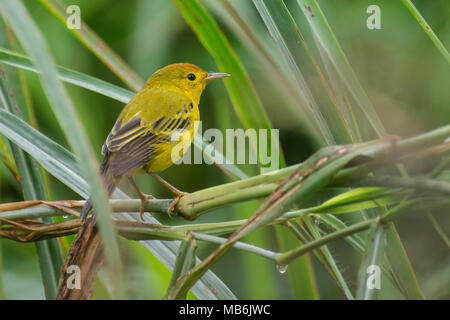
(177, 196)
(144, 198)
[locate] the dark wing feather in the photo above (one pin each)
(121, 133)
(132, 144)
(136, 153)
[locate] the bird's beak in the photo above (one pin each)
(215, 75)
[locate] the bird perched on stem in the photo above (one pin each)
(142, 137)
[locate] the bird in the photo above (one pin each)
(141, 140)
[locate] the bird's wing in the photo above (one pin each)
(135, 142)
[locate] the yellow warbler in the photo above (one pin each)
(141, 136)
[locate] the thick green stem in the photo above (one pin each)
(197, 203)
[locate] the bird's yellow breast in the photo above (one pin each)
(171, 151)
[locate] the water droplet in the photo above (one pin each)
(282, 268)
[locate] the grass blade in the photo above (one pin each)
(31, 39)
(70, 76)
(49, 251)
(282, 28)
(325, 36)
(401, 265)
(243, 26)
(300, 272)
(329, 260)
(426, 27)
(54, 158)
(327, 40)
(185, 261)
(360, 199)
(370, 270)
(97, 46)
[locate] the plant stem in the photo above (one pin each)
(286, 257)
(405, 182)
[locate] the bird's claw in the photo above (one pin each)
(144, 198)
(174, 202)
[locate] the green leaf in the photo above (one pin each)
(360, 199)
(284, 31)
(94, 43)
(70, 76)
(246, 26)
(326, 38)
(329, 260)
(185, 261)
(33, 42)
(300, 272)
(49, 251)
(57, 160)
(401, 265)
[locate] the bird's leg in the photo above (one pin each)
(144, 197)
(177, 193)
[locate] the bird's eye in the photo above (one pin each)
(191, 76)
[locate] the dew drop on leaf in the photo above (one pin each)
(282, 268)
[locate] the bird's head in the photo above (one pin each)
(185, 76)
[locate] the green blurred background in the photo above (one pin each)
(404, 75)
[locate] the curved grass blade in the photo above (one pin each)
(232, 14)
(97, 46)
(357, 242)
(49, 251)
(185, 261)
(282, 28)
(32, 40)
(300, 272)
(325, 36)
(426, 27)
(245, 100)
(401, 265)
(360, 199)
(62, 164)
(57, 160)
(340, 93)
(329, 260)
(70, 76)
(369, 280)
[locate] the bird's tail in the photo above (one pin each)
(109, 180)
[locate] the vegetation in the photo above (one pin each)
(363, 120)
